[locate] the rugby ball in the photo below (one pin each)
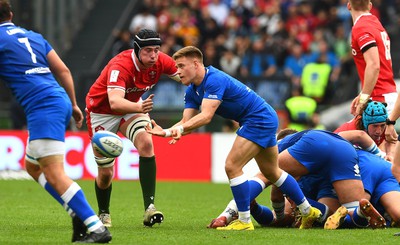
(107, 144)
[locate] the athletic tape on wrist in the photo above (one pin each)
(167, 132)
(180, 128)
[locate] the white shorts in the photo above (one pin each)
(36, 149)
(390, 100)
(106, 122)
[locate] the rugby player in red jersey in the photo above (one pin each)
(370, 46)
(114, 104)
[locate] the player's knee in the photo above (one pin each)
(137, 126)
(33, 170)
(230, 169)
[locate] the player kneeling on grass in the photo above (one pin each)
(218, 93)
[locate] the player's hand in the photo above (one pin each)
(154, 129)
(77, 115)
(147, 104)
(390, 134)
(356, 107)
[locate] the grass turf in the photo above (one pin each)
(30, 216)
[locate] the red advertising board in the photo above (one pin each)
(188, 160)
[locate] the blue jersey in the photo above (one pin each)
(24, 66)
(324, 153)
(377, 176)
(257, 119)
(25, 70)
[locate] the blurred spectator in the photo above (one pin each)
(294, 64)
(330, 57)
(270, 19)
(218, 11)
(211, 56)
(209, 29)
(257, 63)
(123, 42)
(143, 20)
(242, 9)
(174, 8)
(315, 78)
(302, 113)
(170, 46)
(242, 44)
(230, 63)
(185, 29)
(344, 16)
(280, 45)
(341, 45)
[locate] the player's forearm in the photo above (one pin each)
(67, 83)
(123, 106)
(370, 78)
(196, 122)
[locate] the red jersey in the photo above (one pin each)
(123, 73)
(352, 125)
(367, 31)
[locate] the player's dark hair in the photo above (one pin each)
(144, 38)
(5, 10)
(285, 132)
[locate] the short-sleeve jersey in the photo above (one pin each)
(352, 125)
(123, 73)
(238, 102)
(24, 67)
(368, 32)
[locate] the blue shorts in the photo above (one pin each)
(260, 128)
(316, 187)
(50, 118)
(328, 155)
(376, 175)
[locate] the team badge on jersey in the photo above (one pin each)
(152, 75)
(114, 76)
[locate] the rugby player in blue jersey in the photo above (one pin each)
(32, 69)
(211, 91)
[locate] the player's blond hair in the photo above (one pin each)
(190, 52)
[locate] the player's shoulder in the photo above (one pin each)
(163, 58)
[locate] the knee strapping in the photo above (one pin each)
(136, 126)
(104, 162)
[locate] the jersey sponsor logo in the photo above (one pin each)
(212, 96)
(135, 89)
(114, 76)
(38, 70)
(365, 36)
(353, 52)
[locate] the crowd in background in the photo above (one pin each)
(262, 38)
(282, 40)
(257, 37)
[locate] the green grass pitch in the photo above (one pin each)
(30, 216)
